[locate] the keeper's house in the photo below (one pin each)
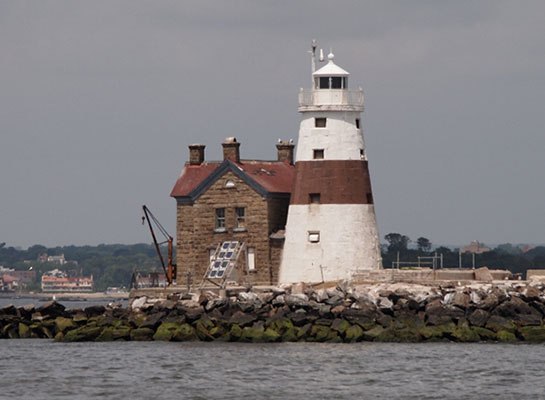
(233, 200)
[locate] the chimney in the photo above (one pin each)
(285, 151)
(231, 149)
(196, 154)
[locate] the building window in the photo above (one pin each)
(320, 122)
(318, 154)
(220, 219)
(314, 198)
(362, 154)
(250, 255)
(314, 236)
(358, 123)
(240, 213)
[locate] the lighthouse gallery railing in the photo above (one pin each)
(326, 97)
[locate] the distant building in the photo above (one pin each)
(148, 280)
(59, 281)
(475, 247)
(13, 279)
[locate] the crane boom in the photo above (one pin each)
(170, 268)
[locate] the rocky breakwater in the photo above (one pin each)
(508, 312)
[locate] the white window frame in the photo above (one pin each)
(250, 259)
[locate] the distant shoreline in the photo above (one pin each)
(66, 296)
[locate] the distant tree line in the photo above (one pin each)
(110, 264)
(503, 256)
(113, 264)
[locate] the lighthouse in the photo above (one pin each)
(331, 229)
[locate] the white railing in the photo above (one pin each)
(331, 97)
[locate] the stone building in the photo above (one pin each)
(232, 200)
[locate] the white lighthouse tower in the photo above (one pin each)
(331, 230)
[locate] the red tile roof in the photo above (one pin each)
(191, 177)
(271, 176)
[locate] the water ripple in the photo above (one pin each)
(41, 369)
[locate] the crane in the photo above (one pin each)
(170, 268)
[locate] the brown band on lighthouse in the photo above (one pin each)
(332, 182)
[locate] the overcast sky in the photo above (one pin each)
(99, 100)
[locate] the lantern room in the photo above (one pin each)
(330, 76)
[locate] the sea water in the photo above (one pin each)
(43, 369)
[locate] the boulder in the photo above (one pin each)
(203, 327)
(63, 324)
(535, 334)
(404, 335)
(322, 333)
(506, 336)
(252, 334)
(183, 333)
(484, 334)
(51, 309)
(270, 336)
(340, 325)
(142, 334)
(114, 333)
(8, 310)
(496, 323)
(478, 317)
(235, 333)
(465, 334)
(24, 331)
(461, 300)
(353, 333)
(373, 333)
(166, 331)
(94, 311)
(242, 319)
(296, 300)
(152, 321)
(83, 334)
(437, 332)
(362, 317)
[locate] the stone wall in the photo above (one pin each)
(509, 312)
(196, 234)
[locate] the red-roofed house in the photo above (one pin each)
(233, 200)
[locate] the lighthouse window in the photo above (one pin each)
(324, 82)
(336, 82)
(314, 198)
(358, 123)
(318, 154)
(320, 122)
(314, 236)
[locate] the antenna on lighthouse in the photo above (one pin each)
(321, 55)
(313, 60)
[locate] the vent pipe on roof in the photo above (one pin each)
(196, 154)
(231, 149)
